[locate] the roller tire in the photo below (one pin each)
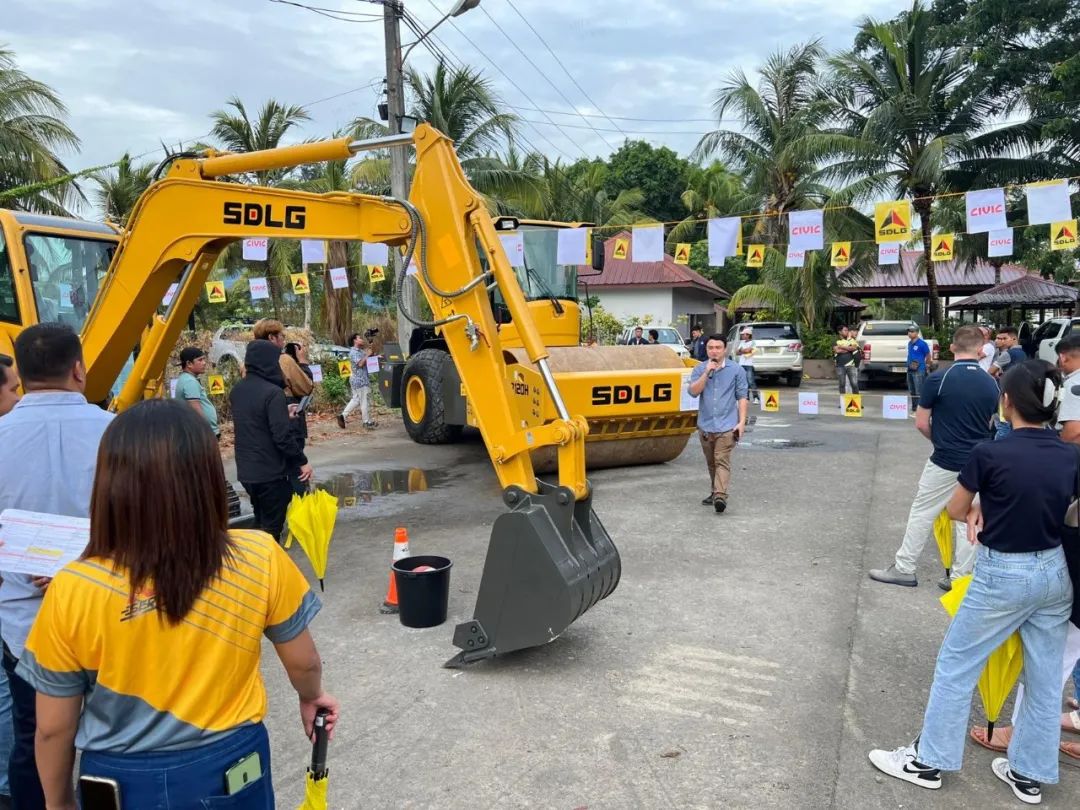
(429, 365)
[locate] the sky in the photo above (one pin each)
(136, 74)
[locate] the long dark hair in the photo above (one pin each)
(159, 507)
(1029, 386)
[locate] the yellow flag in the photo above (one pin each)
(682, 253)
(853, 405)
(349, 501)
(216, 384)
(942, 247)
(755, 256)
(892, 221)
(770, 401)
(588, 247)
(622, 249)
(300, 283)
(1063, 235)
(376, 273)
(841, 254)
(215, 292)
(344, 368)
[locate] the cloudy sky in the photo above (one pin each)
(137, 73)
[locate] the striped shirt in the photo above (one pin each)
(153, 686)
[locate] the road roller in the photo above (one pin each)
(633, 397)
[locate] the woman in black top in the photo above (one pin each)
(1025, 483)
(298, 353)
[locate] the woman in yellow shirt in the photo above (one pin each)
(145, 654)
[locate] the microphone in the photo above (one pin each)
(711, 372)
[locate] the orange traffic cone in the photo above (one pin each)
(401, 550)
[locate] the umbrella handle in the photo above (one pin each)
(318, 748)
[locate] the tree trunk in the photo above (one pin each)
(338, 304)
(997, 263)
(923, 207)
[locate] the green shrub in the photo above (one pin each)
(334, 390)
(818, 344)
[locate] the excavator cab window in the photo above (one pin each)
(65, 272)
(541, 278)
(9, 304)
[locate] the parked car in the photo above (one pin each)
(669, 336)
(230, 342)
(1048, 335)
(884, 348)
(778, 350)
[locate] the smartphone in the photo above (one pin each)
(98, 793)
(304, 402)
(243, 773)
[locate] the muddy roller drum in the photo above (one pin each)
(622, 441)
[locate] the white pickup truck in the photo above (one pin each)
(884, 348)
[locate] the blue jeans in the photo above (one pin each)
(914, 386)
(1031, 593)
(7, 732)
(1076, 681)
(751, 381)
(23, 779)
(193, 779)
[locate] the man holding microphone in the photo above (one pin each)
(722, 391)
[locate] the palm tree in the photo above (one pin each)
(912, 125)
(32, 131)
(713, 191)
(117, 193)
(770, 151)
(577, 194)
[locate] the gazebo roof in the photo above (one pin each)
(907, 279)
(1027, 291)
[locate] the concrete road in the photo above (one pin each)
(744, 661)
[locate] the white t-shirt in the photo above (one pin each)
(1069, 411)
(986, 359)
(745, 359)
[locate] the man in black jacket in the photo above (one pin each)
(267, 447)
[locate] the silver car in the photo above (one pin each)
(778, 350)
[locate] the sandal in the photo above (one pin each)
(978, 734)
(1073, 723)
(1072, 703)
(1071, 750)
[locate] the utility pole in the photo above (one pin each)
(399, 182)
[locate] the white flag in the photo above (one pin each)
(723, 239)
(1048, 202)
(514, 247)
(647, 244)
(258, 288)
(172, 387)
(806, 230)
(316, 372)
(412, 269)
(986, 210)
(571, 247)
(375, 253)
(170, 294)
(893, 407)
(312, 251)
(255, 249)
(339, 278)
(795, 257)
(888, 253)
(808, 403)
(1001, 243)
(372, 364)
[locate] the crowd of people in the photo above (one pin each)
(163, 582)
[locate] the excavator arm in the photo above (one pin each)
(549, 559)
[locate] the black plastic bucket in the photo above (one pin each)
(423, 596)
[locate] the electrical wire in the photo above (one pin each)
(332, 13)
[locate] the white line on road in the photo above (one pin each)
(661, 690)
(667, 708)
(680, 651)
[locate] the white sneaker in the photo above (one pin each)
(1026, 790)
(901, 764)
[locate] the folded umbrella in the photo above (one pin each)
(316, 780)
(943, 533)
(311, 523)
(1002, 669)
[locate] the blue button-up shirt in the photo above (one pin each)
(718, 405)
(48, 451)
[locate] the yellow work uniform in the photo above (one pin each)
(153, 686)
(847, 345)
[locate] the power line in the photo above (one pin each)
(624, 132)
(543, 75)
(334, 14)
(627, 118)
(543, 41)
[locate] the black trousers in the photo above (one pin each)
(26, 792)
(269, 500)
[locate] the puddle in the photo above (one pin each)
(787, 444)
(361, 487)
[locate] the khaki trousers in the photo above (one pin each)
(717, 448)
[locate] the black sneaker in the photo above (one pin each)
(719, 504)
(341, 421)
(1026, 790)
(707, 501)
(902, 764)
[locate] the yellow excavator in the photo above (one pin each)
(549, 558)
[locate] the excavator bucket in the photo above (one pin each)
(549, 560)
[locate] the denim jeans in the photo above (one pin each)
(1031, 593)
(193, 779)
(1076, 681)
(7, 732)
(751, 381)
(914, 386)
(848, 377)
(23, 780)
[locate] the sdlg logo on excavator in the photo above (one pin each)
(624, 394)
(256, 214)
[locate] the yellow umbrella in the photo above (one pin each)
(316, 782)
(311, 523)
(314, 793)
(943, 533)
(1002, 669)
